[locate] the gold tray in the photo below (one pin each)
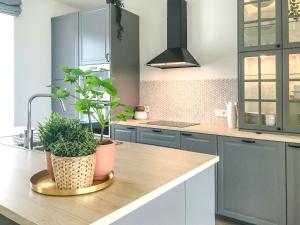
(43, 184)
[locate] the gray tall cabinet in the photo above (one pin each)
(269, 65)
(89, 38)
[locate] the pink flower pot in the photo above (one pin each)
(105, 160)
(49, 165)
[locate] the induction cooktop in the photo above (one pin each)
(171, 123)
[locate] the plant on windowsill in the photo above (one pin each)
(73, 156)
(119, 4)
(89, 101)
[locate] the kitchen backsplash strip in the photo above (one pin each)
(188, 101)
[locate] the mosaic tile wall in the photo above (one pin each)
(188, 101)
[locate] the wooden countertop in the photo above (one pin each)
(221, 131)
(142, 172)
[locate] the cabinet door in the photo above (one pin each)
(125, 133)
(260, 92)
(251, 181)
(159, 137)
(293, 184)
(94, 36)
(259, 25)
(291, 97)
(203, 143)
(64, 43)
(291, 23)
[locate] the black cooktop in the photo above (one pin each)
(171, 123)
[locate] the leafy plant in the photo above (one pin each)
(76, 141)
(90, 91)
(294, 11)
(50, 131)
(119, 4)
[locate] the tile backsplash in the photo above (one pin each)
(188, 101)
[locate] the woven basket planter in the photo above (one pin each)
(74, 172)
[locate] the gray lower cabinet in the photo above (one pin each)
(159, 137)
(203, 143)
(251, 181)
(6, 221)
(293, 184)
(125, 133)
(94, 36)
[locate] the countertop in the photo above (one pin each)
(219, 130)
(143, 173)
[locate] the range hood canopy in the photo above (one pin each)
(176, 55)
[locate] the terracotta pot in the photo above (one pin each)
(49, 165)
(105, 160)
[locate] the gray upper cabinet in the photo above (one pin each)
(291, 23)
(203, 143)
(259, 25)
(94, 36)
(64, 43)
(293, 184)
(251, 181)
(291, 97)
(159, 137)
(260, 90)
(125, 133)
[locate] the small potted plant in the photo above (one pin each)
(49, 132)
(90, 102)
(73, 157)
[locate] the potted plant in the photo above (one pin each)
(49, 132)
(90, 102)
(73, 156)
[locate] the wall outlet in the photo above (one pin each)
(220, 113)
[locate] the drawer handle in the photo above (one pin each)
(293, 146)
(187, 135)
(248, 141)
(130, 128)
(156, 131)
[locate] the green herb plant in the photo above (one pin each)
(90, 90)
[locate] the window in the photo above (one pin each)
(6, 71)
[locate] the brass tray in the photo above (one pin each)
(43, 184)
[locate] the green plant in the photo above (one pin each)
(119, 4)
(294, 11)
(50, 131)
(89, 97)
(76, 141)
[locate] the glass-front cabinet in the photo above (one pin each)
(259, 25)
(291, 23)
(291, 100)
(260, 90)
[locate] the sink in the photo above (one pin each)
(18, 141)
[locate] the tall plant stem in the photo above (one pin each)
(90, 122)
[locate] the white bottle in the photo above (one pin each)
(231, 114)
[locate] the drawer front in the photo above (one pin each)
(203, 143)
(159, 137)
(125, 133)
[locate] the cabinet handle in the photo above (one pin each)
(293, 146)
(107, 56)
(248, 141)
(278, 45)
(130, 128)
(156, 131)
(187, 135)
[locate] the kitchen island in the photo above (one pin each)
(153, 185)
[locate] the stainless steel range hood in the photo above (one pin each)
(176, 55)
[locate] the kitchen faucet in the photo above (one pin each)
(28, 141)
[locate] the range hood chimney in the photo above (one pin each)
(176, 55)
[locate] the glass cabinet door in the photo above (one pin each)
(260, 91)
(291, 23)
(291, 100)
(259, 25)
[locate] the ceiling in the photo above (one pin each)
(83, 4)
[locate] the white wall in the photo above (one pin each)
(6, 71)
(212, 38)
(33, 56)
